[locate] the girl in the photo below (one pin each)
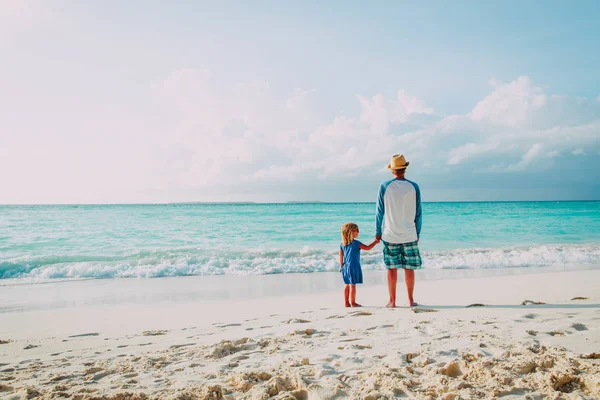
(350, 261)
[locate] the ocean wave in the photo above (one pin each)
(194, 261)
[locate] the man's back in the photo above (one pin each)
(399, 211)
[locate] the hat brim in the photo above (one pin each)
(405, 165)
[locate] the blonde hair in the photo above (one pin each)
(347, 236)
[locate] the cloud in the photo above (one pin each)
(518, 127)
(527, 158)
(208, 138)
(461, 153)
(509, 104)
(379, 113)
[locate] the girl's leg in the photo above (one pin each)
(353, 296)
(347, 296)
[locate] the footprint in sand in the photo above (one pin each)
(296, 321)
(531, 302)
(305, 332)
(422, 310)
(84, 335)
(154, 333)
(178, 346)
(532, 332)
(360, 313)
(226, 325)
(591, 356)
(379, 327)
(30, 346)
(579, 327)
(530, 316)
(556, 333)
(121, 346)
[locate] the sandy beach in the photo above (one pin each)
(484, 337)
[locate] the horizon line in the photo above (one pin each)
(291, 202)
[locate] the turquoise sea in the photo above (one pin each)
(117, 241)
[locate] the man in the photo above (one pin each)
(399, 227)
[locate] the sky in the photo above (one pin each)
(269, 101)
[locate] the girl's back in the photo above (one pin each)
(351, 254)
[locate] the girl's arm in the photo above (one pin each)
(369, 247)
(341, 259)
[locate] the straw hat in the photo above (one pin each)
(398, 162)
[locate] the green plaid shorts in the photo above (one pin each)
(402, 255)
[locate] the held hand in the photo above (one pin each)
(378, 238)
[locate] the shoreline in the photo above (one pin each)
(80, 293)
(309, 346)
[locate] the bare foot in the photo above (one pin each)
(414, 304)
(391, 305)
(356, 305)
(348, 305)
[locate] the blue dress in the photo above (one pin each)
(351, 270)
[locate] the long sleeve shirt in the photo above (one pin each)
(399, 216)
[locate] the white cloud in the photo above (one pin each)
(299, 99)
(461, 153)
(379, 113)
(510, 104)
(205, 140)
(527, 158)
(280, 138)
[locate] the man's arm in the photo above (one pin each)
(418, 214)
(380, 211)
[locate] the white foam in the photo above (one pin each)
(191, 261)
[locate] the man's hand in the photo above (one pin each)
(378, 238)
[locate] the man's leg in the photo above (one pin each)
(392, 277)
(409, 279)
